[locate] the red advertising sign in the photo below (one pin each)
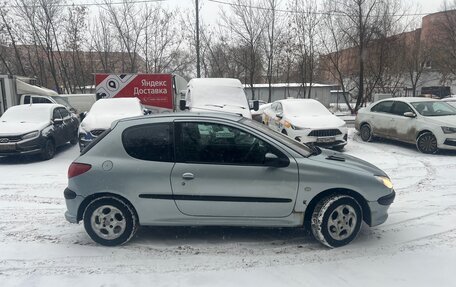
(153, 90)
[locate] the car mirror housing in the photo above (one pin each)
(409, 115)
(273, 160)
(182, 105)
(279, 115)
(256, 105)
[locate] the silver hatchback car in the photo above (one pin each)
(219, 169)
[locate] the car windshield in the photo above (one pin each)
(301, 148)
(31, 115)
(304, 107)
(434, 109)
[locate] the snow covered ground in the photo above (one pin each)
(415, 247)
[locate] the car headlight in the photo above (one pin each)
(33, 134)
(385, 180)
(449, 130)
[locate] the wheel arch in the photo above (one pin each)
(418, 134)
(337, 191)
(92, 197)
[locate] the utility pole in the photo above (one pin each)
(198, 70)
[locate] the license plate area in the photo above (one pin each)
(326, 139)
(7, 147)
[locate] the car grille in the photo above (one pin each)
(96, 133)
(11, 139)
(325, 133)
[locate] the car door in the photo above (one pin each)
(68, 124)
(381, 119)
(60, 136)
(220, 172)
(404, 128)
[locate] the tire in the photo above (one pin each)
(75, 139)
(427, 143)
(336, 220)
(366, 132)
(122, 220)
(48, 151)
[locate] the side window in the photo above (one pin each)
(399, 108)
(65, 114)
(274, 107)
(27, 100)
(152, 142)
(56, 114)
(40, 100)
(219, 144)
(383, 107)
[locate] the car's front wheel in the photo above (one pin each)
(336, 220)
(366, 132)
(427, 143)
(109, 221)
(48, 150)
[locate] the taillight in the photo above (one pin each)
(76, 169)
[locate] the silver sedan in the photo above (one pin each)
(219, 169)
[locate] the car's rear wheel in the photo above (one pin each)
(48, 150)
(366, 132)
(427, 143)
(336, 220)
(109, 221)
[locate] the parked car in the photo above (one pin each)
(103, 113)
(219, 169)
(428, 123)
(451, 101)
(80, 102)
(36, 129)
(307, 121)
(216, 95)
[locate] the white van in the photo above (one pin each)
(42, 99)
(216, 95)
(81, 102)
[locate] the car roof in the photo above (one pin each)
(44, 107)
(214, 82)
(196, 115)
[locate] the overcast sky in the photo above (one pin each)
(211, 10)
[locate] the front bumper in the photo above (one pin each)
(23, 147)
(449, 143)
(379, 209)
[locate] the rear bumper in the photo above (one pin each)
(73, 202)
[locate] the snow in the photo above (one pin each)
(37, 113)
(308, 107)
(415, 247)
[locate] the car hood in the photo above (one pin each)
(347, 161)
(315, 122)
(446, 121)
(9, 128)
(104, 121)
(225, 109)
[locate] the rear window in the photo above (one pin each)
(152, 142)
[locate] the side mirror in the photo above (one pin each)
(182, 105)
(58, 122)
(271, 159)
(279, 115)
(409, 115)
(147, 112)
(82, 116)
(256, 105)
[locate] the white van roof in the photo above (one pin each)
(211, 82)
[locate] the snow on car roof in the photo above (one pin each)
(304, 106)
(211, 82)
(410, 99)
(116, 106)
(29, 113)
(35, 107)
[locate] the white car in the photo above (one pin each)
(105, 111)
(428, 123)
(307, 121)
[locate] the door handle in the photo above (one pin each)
(188, 176)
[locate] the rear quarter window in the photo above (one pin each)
(152, 142)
